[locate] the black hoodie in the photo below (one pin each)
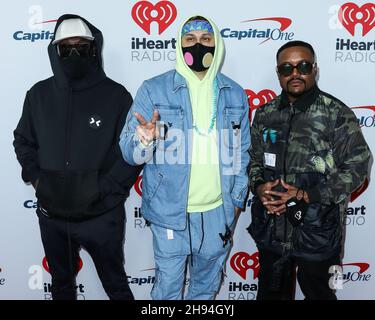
(67, 138)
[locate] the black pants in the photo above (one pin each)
(313, 278)
(102, 237)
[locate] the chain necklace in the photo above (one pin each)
(205, 133)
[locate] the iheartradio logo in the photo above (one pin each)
(138, 186)
(242, 261)
(256, 100)
(350, 15)
(355, 194)
(46, 267)
(163, 13)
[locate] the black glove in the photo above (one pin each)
(227, 236)
(296, 211)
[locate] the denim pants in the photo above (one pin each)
(200, 247)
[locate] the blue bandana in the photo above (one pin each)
(197, 25)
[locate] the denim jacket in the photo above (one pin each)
(166, 172)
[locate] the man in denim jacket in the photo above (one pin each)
(190, 127)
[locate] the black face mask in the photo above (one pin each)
(198, 57)
(76, 67)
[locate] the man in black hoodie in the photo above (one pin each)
(67, 144)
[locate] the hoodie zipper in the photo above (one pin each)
(291, 116)
(68, 129)
(189, 164)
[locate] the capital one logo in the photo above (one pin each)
(2, 280)
(163, 13)
(242, 261)
(256, 100)
(46, 267)
(353, 272)
(350, 15)
(366, 121)
(39, 34)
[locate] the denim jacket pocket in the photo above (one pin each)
(171, 127)
(232, 126)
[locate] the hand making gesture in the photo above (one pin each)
(147, 131)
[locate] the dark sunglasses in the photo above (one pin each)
(303, 67)
(70, 50)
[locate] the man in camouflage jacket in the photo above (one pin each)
(308, 155)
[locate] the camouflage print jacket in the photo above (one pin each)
(315, 145)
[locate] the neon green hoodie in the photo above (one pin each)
(204, 186)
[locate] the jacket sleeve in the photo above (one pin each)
(26, 145)
(121, 176)
(240, 189)
(256, 174)
(132, 150)
(351, 156)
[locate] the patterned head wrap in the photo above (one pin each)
(197, 25)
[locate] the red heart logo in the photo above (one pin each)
(256, 100)
(359, 191)
(144, 12)
(138, 186)
(240, 263)
(350, 15)
(46, 267)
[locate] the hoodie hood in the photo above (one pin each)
(91, 78)
(181, 66)
(204, 182)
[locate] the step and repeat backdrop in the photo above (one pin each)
(139, 44)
